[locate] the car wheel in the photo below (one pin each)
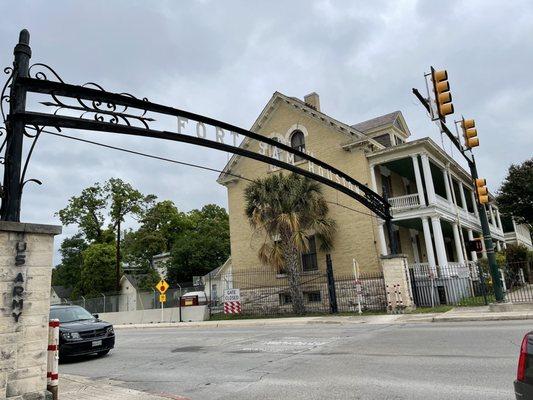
(102, 353)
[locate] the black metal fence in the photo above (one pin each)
(264, 292)
(467, 285)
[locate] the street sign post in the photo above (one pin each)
(232, 301)
(162, 286)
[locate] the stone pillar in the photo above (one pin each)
(439, 241)
(382, 242)
(418, 180)
(429, 244)
(26, 256)
(428, 179)
(396, 276)
(458, 247)
(473, 254)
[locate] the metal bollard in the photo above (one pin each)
(52, 371)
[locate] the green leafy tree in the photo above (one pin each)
(68, 273)
(87, 211)
(124, 200)
(285, 208)
(98, 270)
(201, 246)
(112, 202)
(160, 226)
(515, 197)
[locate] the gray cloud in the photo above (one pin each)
(225, 59)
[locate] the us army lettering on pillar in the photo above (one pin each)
(19, 283)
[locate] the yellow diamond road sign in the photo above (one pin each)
(162, 286)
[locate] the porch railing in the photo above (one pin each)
(404, 202)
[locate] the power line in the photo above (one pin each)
(108, 146)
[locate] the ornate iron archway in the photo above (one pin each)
(90, 107)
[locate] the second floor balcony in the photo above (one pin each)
(418, 177)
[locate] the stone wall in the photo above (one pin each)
(26, 255)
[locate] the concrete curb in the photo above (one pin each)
(450, 316)
(476, 318)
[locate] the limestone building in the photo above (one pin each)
(432, 197)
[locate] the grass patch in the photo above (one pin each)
(475, 301)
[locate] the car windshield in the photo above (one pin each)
(70, 314)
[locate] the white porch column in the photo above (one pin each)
(418, 179)
(499, 219)
(416, 255)
(473, 254)
(382, 242)
(458, 247)
(474, 203)
(428, 179)
(498, 246)
(446, 177)
(373, 178)
(439, 241)
(462, 193)
(493, 220)
(429, 244)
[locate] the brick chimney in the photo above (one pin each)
(312, 100)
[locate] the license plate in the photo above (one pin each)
(97, 343)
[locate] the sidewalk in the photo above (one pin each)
(73, 387)
(459, 314)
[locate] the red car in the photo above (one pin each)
(523, 386)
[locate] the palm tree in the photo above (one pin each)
(286, 209)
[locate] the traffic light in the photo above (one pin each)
(443, 97)
(470, 133)
(482, 191)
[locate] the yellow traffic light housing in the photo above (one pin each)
(443, 97)
(470, 133)
(482, 191)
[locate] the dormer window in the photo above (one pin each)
(298, 143)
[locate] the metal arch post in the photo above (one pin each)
(12, 186)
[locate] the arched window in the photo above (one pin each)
(298, 143)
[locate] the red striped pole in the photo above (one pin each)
(52, 371)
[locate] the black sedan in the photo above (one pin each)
(523, 385)
(80, 332)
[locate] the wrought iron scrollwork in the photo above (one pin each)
(92, 109)
(40, 70)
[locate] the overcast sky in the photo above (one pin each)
(224, 59)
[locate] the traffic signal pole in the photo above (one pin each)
(487, 238)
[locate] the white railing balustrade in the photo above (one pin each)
(404, 202)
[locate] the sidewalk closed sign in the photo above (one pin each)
(232, 301)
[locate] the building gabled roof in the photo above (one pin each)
(131, 279)
(215, 272)
(62, 292)
(267, 111)
(394, 118)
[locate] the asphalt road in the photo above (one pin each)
(316, 361)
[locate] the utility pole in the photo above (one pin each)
(444, 106)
